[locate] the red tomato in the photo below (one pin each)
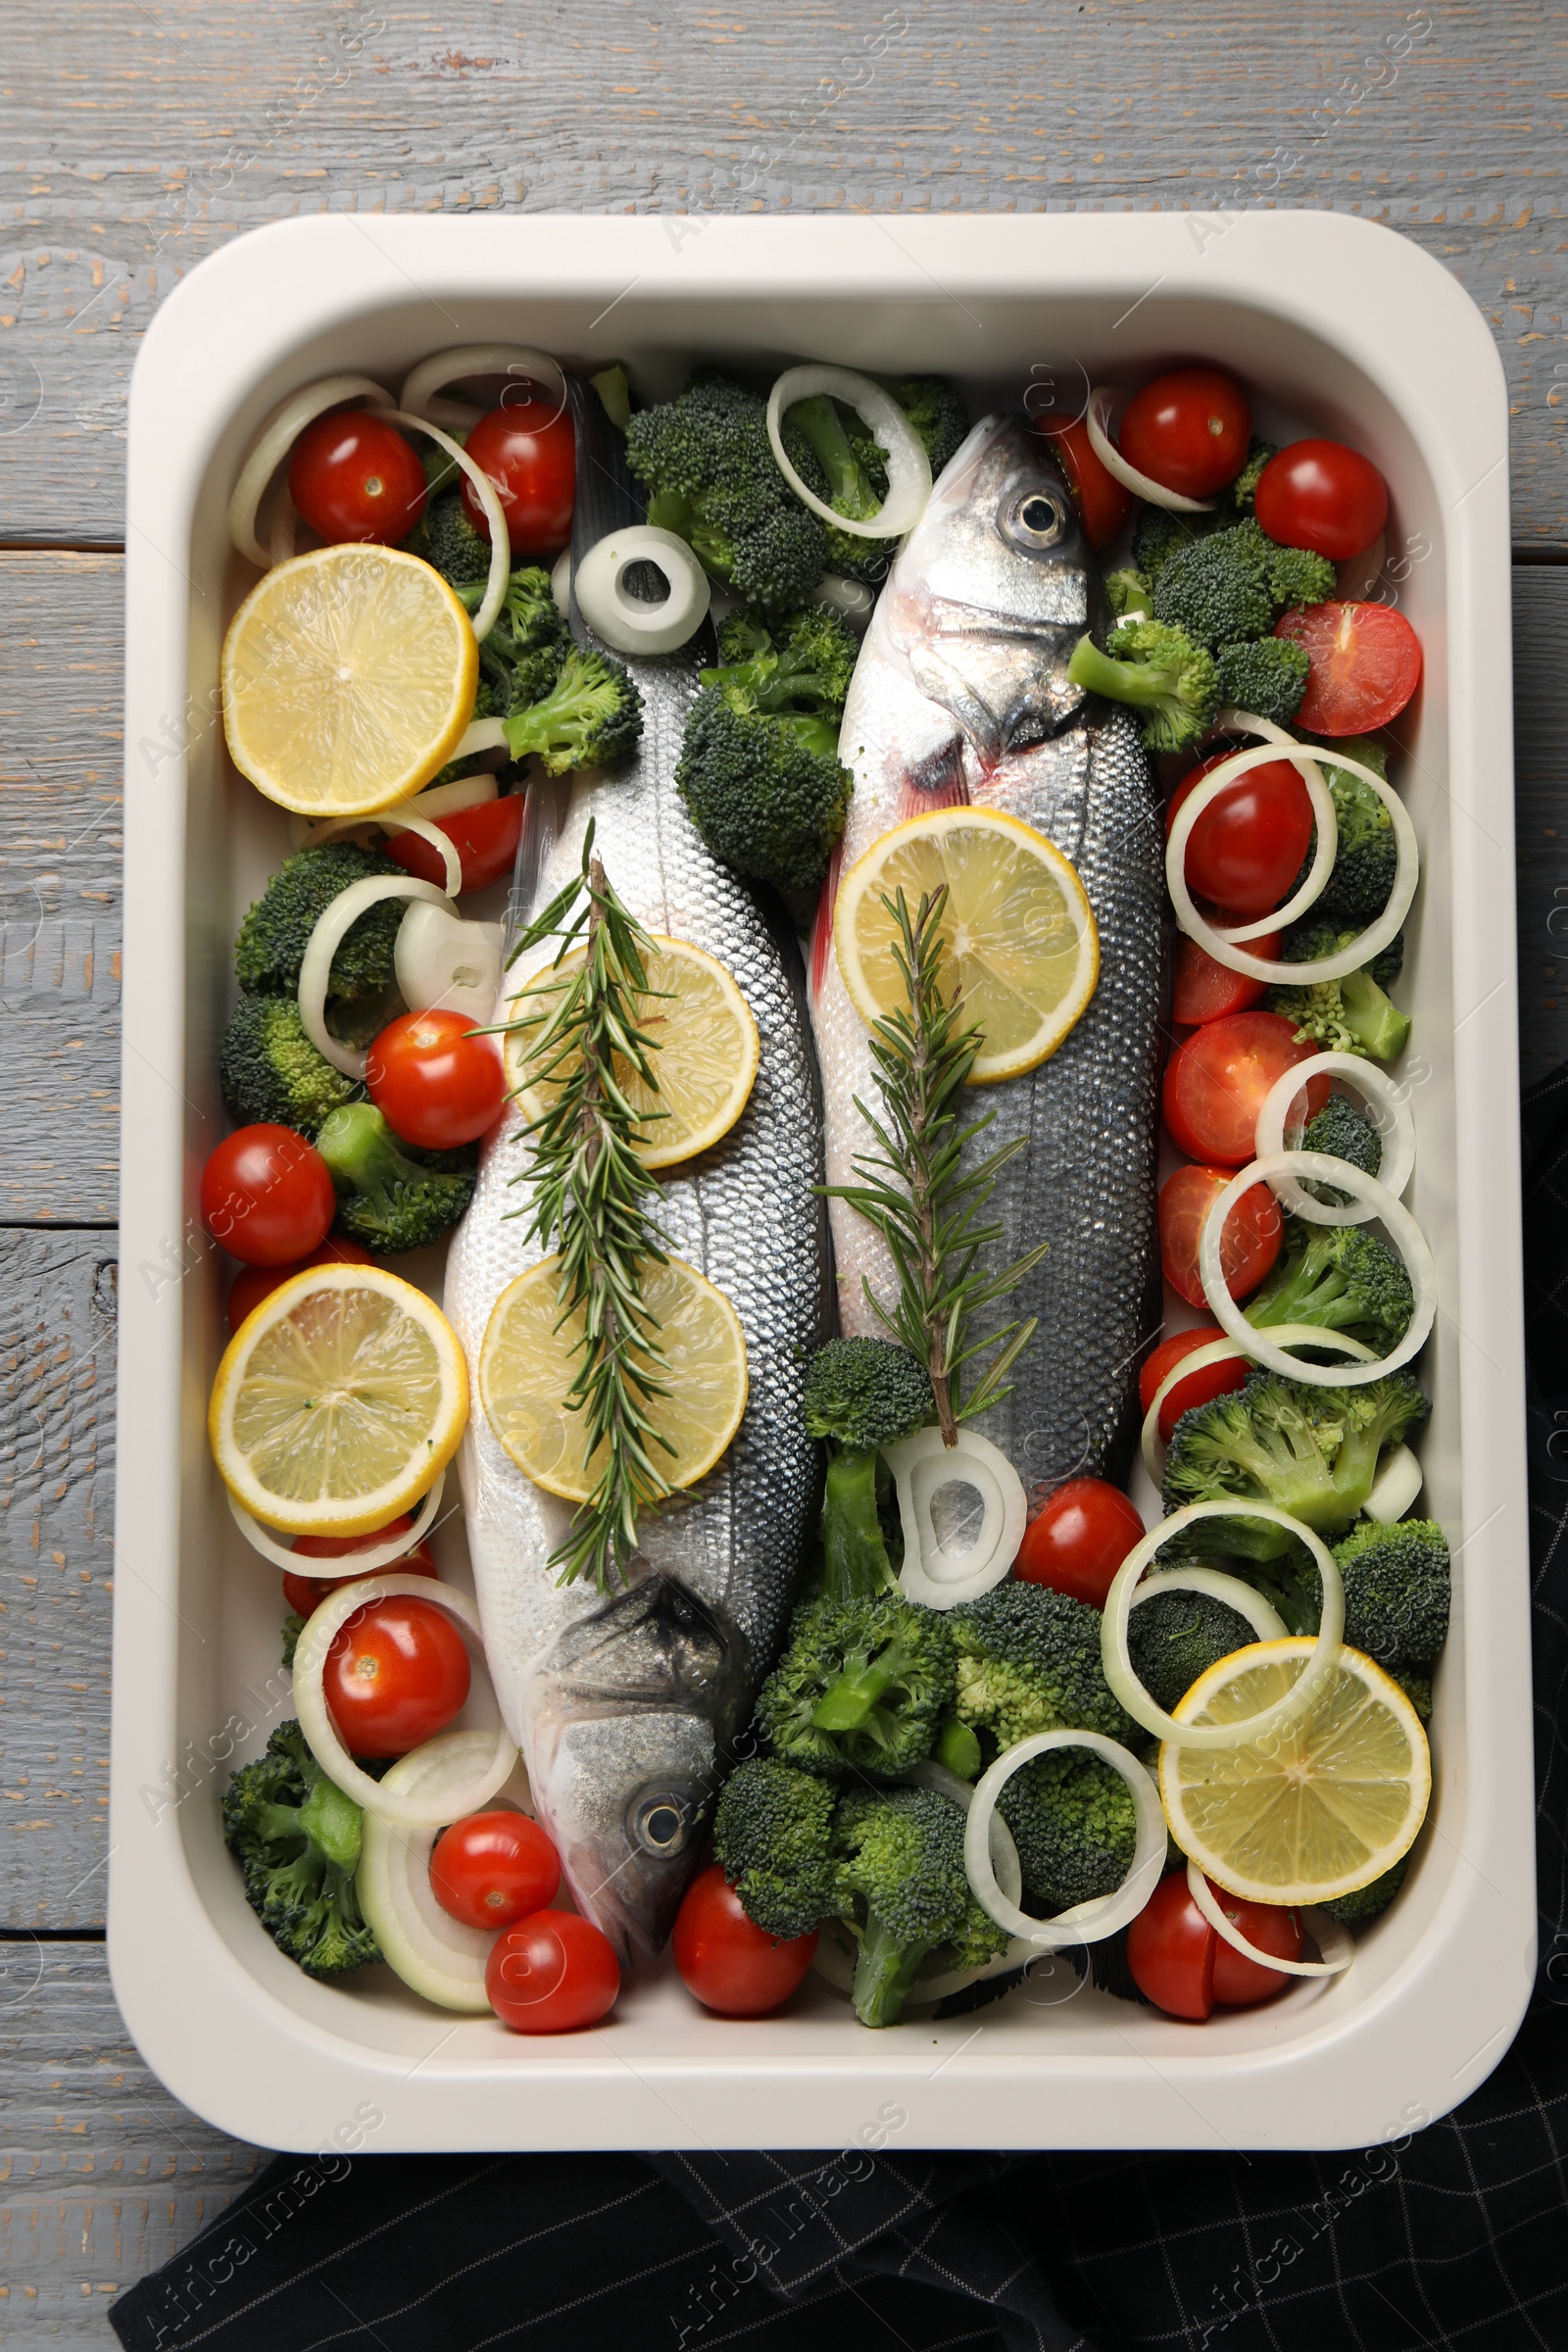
(1366, 663)
(396, 1675)
(253, 1284)
(528, 449)
(1206, 990)
(494, 1869)
(1239, 1982)
(1104, 504)
(1216, 1080)
(304, 1594)
(724, 1961)
(353, 476)
(435, 1080)
(1188, 430)
(1248, 1249)
(1321, 495)
(1170, 1951)
(485, 837)
(551, 1974)
(1080, 1540)
(267, 1196)
(1247, 848)
(1198, 1387)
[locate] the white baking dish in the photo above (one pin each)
(1340, 325)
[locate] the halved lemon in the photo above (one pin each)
(349, 676)
(1019, 931)
(1317, 1807)
(337, 1401)
(704, 1065)
(529, 1360)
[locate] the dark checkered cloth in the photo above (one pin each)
(1457, 2237)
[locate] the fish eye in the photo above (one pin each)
(660, 1824)
(1036, 519)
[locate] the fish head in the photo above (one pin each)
(991, 592)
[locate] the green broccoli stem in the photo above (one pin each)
(884, 1972)
(849, 492)
(854, 1554)
(1372, 1017)
(360, 1151)
(1142, 684)
(847, 1702)
(335, 1822)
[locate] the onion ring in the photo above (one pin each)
(1119, 1608)
(1084, 1923)
(1208, 787)
(320, 1631)
(625, 623)
(470, 359)
(1225, 1350)
(921, 1466)
(1234, 1590)
(436, 1955)
(909, 467)
(1333, 1940)
(315, 965)
(1382, 1093)
(1403, 1231)
(442, 843)
(1395, 1487)
(273, 444)
(348, 1563)
(495, 588)
(1097, 417)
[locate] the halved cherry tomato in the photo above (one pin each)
(528, 447)
(1188, 430)
(267, 1196)
(485, 837)
(1104, 504)
(1206, 991)
(1247, 848)
(1181, 1964)
(1198, 1387)
(253, 1284)
(493, 1868)
(1216, 1080)
(396, 1674)
(1248, 1249)
(552, 1973)
(1239, 1982)
(1080, 1540)
(435, 1079)
(354, 476)
(726, 1962)
(1321, 495)
(1366, 665)
(304, 1594)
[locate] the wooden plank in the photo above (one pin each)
(60, 854)
(137, 149)
(1541, 816)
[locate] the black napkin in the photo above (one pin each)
(1450, 2236)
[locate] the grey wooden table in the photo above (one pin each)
(134, 137)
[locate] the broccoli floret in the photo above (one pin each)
(798, 665)
(1160, 673)
(1312, 1451)
(391, 1197)
(1129, 596)
(1351, 1015)
(902, 1890)
(1297, 576)
(1158, 535)
(1337, 1278)
(1216, 589)
(1073, 1822)
(591, 718)
(1396, 1591)
(295, 1838)
(1241, 496)
(1029, 1660)
(849, 473)
(1343, 1130)
(527, 647)
(1267, 678)
(861, 1395)
(1366, 857)
(710, 465)
(272, 938)
(1173, 1637)
(772, 1832)
(1367, 1902)
(862, 1687)
(270, 1072)
(452, 545)
(935, 406)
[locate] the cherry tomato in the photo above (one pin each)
(724, 1961)
(304, 1594)
(435, 1080)
(1206, 990)
(1247, 848)
(1188, 430)
(494, 1869)
(551, 1974)
(1321, 495)
(1239, 1982)
(267, 1196)
(1104, 504)
(528, 449)
(1366, 665)
(485, 837)
(1198, 1387)
(253, 1284)
(1248, 1249)
(1080, 1540)
(353, 476)
(1216, 1080)
(1170, 1951)
(396, 1674)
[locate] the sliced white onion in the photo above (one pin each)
(909, 467)
(484, 620)
(1392, 1117)
(1219, 779)
(479, 735)
(1234, 1590)
(561, 582)
(333, 926)
(1104, 402)
(444, 961)
(276, 438)
(321, 1630)
(625, 621)
(921, 1466)
(442, 843)
(350, 1564)
(467, 361)
(433, 1953)
(1321, 1167)
(1395, 1489)
(852, 600)
(1226, 1351)
(1332, 1938)
(1119, 1608)
(1084, 1923)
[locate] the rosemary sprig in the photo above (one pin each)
(917, 1192)
(590, 1198)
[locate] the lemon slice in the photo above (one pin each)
(348, 678)
(529, 1360)
(1018, 927)
(706, 1058)
(337, 1401)
(1323, 1804)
